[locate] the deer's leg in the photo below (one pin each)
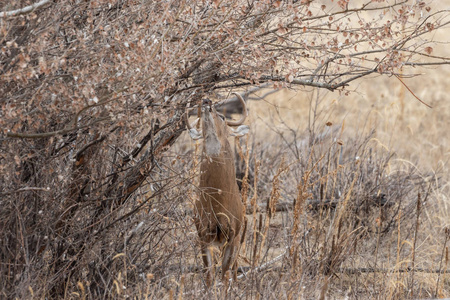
(229, 257)
(208, 260)
(237, 244)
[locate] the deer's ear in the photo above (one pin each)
(195, 135)
(240, 131)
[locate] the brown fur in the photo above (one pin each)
(219, 209)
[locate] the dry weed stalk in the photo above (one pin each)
(271, 204)
(445, 258)
(416, 232)
(256, 225)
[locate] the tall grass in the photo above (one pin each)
(330, 215)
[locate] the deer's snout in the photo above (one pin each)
(207, 102)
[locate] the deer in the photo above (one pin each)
(219, 211)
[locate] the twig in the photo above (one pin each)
(264, 266)
(26, 189)
(24, 10)
(51, 133)
(412, 92)
(315, 204)
(384, 270)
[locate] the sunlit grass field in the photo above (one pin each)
(417, 136)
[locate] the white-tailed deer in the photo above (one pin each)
(219, 216)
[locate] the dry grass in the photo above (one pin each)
(382, 162)
(383, 159)
(418, 140)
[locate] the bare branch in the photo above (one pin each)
(26, 189)
(404, 84)
(52, 133)
(22, 11)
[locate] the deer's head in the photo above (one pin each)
(215, 128)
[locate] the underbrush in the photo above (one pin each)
(328, 217)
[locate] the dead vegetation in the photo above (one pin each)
(333, 218)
